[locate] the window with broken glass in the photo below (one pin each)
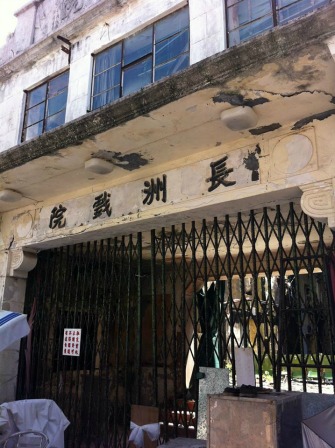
(45, 107)
(159, 50)
(248, 18)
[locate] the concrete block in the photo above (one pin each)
(271, 421)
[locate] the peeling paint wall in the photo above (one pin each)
(120, 19)
(273, 166)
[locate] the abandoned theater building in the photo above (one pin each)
(167, 194)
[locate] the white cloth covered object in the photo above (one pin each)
(13, 326)
(39, 415)
(319, 431)
(137, 433)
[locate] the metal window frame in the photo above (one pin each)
(45, 101)
(275, 12)
(133, 63)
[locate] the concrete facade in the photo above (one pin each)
(174, 127)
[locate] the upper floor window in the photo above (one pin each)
(149, 55)
(248, 18)
(45, 107)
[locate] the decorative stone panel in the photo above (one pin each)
(318, 201)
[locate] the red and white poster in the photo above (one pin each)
(71, 341)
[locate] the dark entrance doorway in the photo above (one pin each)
(154, 307)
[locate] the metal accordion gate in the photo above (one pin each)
(154, 306)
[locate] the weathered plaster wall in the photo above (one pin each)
(119, 20)
(263, 171)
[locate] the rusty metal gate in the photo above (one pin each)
(154, 306)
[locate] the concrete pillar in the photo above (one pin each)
(15, 265)
(207, 29)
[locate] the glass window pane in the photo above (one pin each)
(106, 97)
(298, 9)
(99, 100)
(34, 131)
(113, 94)
(55, 120)
(37, 95)
(35, 114)
(171, 24)
(100, 83)
(316, 3)
(260, 8)
(238, 15)
(107, 79)
(282, 3)
(58, 84)
(137, 76)
(172, 47)
(108, 58)
(255, 28)
(247, 11)
(57, 103)
(137, 46)
(171, 67)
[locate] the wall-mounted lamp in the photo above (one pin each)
(98, 166)
(239, 118)
(10, 195)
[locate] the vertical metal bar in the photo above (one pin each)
(174, 330)
(281, 321)
(281, 327)
(217, 292)
(127, 368)
(298, 309)
(153, 317)
(90, 377)
(242, 276)
(274, 12)
(60, 380)
(45, 316)
(74, 282)
(105, 337)
(226, 17)
(194, 299)
(268, 273)
(183, 318)
(255, 295)
(230, 297)
(138, 359)
(314, 307)
(205, 276)
(118, 326)
(164, 325)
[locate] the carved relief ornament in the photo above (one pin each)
(318, 201)
(21, 262)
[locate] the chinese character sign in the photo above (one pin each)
(102, 205)
(153, 190)
(220, 172)
(71, 341)
(57, 218)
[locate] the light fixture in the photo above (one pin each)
(239, 118)
(98, 166)
(10, 195)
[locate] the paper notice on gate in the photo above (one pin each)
(244, 362)
(71, 342)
